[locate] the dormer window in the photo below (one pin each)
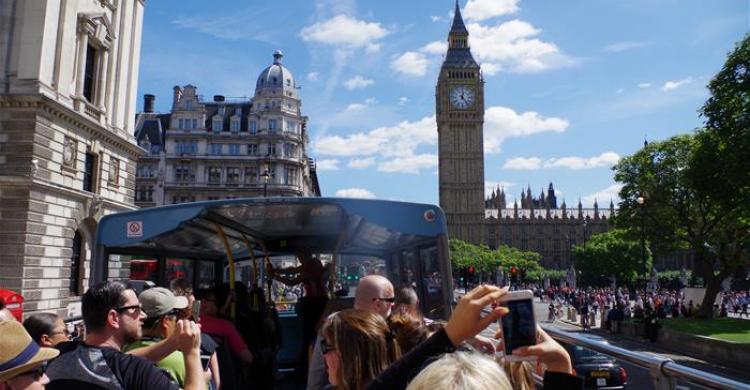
(235, 125)
(253, 127)
(216, 125)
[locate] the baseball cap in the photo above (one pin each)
(158, 301)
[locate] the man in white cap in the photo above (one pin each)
(22, 361)
(162, 309)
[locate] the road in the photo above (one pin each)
(638, 377)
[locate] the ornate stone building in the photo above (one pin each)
(226, 148)
(68, 77)
(459, 109)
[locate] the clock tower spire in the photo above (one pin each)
(459, 109)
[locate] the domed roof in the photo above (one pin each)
(276, 77)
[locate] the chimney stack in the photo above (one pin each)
(219, 98)
(176, 95)
(148, 102)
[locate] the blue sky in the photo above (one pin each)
(571, 86)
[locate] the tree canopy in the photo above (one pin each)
(486, 260)
(613, 253)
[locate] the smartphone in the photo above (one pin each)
(196, 310)
(519, 325)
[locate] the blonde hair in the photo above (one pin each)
(461, 371)
(520, 374)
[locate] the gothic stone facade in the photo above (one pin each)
(226, 148)
(67, 155)
(459, 108)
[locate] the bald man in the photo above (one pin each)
(375, 294)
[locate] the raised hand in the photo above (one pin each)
(466, 320)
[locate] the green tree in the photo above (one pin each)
(675, 213)
(487, 261)
(613, 253)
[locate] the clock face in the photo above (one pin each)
(462, 97)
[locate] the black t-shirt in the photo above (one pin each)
(84, 367)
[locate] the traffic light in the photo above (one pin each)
(471, 271)
(513, 275)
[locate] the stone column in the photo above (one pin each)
(83, 42)
(101, 84)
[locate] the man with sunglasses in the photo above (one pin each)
(113, 316)
(163, 309)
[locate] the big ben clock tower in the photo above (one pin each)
(459, 108)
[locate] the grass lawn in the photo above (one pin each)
(728, 329)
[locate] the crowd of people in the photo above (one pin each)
(156, 340)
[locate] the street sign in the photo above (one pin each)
(134, 229)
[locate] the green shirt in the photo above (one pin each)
(174, 363)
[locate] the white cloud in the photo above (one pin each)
(400, 140)
(606, 159)
(624, 46)
(436, 47)
(360, 163)
(523, 163)
(672, 85)
(411, 63)
(512, 46)
(357, 82)
(603, 196)
(485, 9)
(370, 101)
(403, 100)
(436, 18)
(490, 69)
(644, 85)
(410, 164)
(503, 122)
(355, 193)
(327, 165)
(345, 31)
(313, 76)
(354, 107)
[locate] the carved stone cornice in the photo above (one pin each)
(93, 129)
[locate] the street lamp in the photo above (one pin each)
(642, 202)
(585, 226)
(266, 175)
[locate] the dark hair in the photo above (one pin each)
(99, 300)
(408, 328)
(39, 324)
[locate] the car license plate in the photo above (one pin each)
(601, 381)
(600, 374)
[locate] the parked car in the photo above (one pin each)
(598, 371)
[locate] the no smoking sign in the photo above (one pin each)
(134, 229)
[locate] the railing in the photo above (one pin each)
(664, 372)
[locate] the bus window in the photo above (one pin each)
(352, 268)
(205, 274)
(179, 269)
(432, 282)
(143, 269)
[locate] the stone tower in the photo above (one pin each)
(459, 108)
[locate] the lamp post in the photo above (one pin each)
(585, 226)
(266, 175)
(642, 202)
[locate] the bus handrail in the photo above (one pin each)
(663, 370)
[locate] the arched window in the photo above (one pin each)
(76, 265)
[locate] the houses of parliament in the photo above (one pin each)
(537, 224)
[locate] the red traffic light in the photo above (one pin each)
(513, 270)
(471, 269)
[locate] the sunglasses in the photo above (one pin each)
(138, 308)
(325, 347)
(389, 300)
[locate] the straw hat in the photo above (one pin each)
(18, 352)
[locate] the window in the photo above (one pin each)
(252, 149)
(194, 122)
(216, 125)
(253, 127)
(215, 149)
(184, 173)
(235, 125)
(89, 76)
(233, 176)
(145, 171)
(222, 110)
(150, 193)
(213, 198)
(89, 176)
(214, 175)
(272, 125)
(251, 175)
(290, 150)
(114, 170)
(290, 176)
(271, 149)
(181, 124)
(189, 105)
(234, 149)
(76, 265)
(187, 147)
